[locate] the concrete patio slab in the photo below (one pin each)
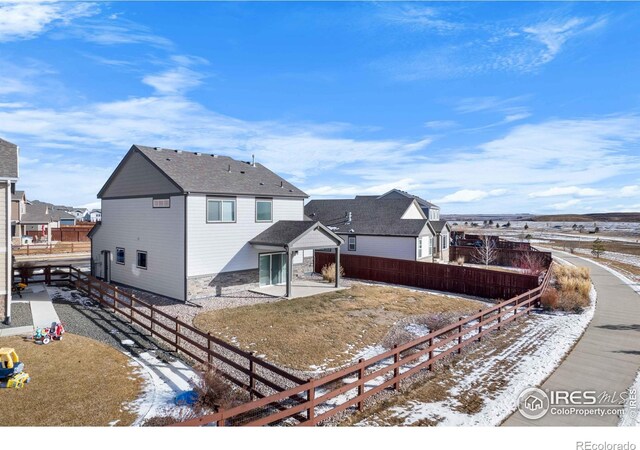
(42, 310)
(299, 289)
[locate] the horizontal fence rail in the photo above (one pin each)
(442, 277)
(350, 387)
(279, 397)
(244, 369)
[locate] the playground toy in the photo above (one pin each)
(17, 288)
(11, 370)
(44, 335)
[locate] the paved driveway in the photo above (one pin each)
(606, 358)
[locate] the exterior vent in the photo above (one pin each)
(197, 153)
(178, 151)
(253, 160)
(157, 148)
(261, 183)
(229, 168)
(281, 184)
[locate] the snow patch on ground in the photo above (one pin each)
(162, 382)
(531, 369)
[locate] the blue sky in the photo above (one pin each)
(480, 107)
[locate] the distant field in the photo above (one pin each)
(595, 217)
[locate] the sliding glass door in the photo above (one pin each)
(273, 268)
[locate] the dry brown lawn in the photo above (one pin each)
(325, 330)
(74, 382)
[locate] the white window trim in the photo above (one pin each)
(264, 200)
(355, 243)
(222, 199)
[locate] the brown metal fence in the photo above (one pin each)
(278, 396)
(506, 257)
(349, 388)
(441, 277)
(242, 368)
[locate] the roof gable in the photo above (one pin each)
(8, 160)
(136, 175)
(397, 193)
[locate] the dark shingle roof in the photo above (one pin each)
(205, 173)
(282, 232)
(17, 196)
(421, 201)
(8, 159)
(35, 213)
(438, 225)
(369, 215)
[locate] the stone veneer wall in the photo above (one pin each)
(220, 284)
(3, 299)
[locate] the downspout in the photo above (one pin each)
(186, 242)
(9, 261)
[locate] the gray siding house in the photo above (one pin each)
(191, 225)
(8, 178)
(393, 227)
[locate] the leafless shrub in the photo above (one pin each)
(531, 263)
(397, 336)
(574, 287)
(329, 272)
(214, 392)
(487, 253)
(176, 416)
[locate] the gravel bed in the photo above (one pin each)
(20, 316)
(187, 311)
(86, 318)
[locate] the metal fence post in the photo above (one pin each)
(361, 382)
(311, 398)
(396, 371)
(460, 335)
(252, 380)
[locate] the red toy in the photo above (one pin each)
(44, 335)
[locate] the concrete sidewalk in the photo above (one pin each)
(42, 310)
(606, 358)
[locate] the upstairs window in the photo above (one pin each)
(119, 255)
(445, 241)
(264, 210)
(351, 243)
(419, 248)
(162, 203)
(221, 210)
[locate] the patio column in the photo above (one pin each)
(289, 270)
(338, 266)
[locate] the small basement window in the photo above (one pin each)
(162, 203)
(119, 255)
(352, 243)
(142, 260)
(264, 210)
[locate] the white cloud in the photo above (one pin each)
(28, 19)
(567, 190)
(565, 205)
(441, 124)
(470, 195)
(630, 191)
(174, 81)
(422, 18)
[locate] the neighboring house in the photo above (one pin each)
(81, 215)
(385, 226)
(95, 215)
(8, 178)
(443, 239)
(431, 211)
(18, 208)
(187, 225)
(39, 218)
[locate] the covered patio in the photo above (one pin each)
(277, 247)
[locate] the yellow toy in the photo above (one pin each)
(11, 369)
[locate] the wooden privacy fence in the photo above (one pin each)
(66, 233)
(48, 249)
(506, 257)
(322, 398)
(441, 277)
